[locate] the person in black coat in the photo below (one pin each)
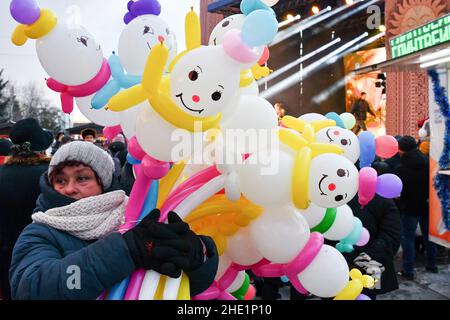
(19, 187)
(414, 173)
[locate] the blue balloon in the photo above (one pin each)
(346, 244)
(102, 96)
(367, 149)
(150, 200)
(117, 292)
(334, 116)
(248, 6)
(260, 28)
(132, 160)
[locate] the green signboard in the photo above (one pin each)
(431, 34)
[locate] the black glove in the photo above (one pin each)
(195, 255)
(158, 246)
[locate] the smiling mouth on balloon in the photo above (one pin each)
(181, 98)
(215, 42)
(320, 185)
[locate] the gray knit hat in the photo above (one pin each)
(88, 153)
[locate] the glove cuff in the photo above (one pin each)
(130, 240)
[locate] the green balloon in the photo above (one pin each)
(240, 293)
(348, 119)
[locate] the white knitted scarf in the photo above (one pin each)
(89, 218)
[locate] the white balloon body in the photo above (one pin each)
(233, 22)
(101, 117)
(265, 178)
(128, 119)
(343, 138)
(163, 141)
(224, 263)
(237, 283)
(309, 117)
(252, 126)
(69, 54)
(251, 90)
(137, 39)
(241, 249)
(280, 233)
(327, 274)
(333, 180)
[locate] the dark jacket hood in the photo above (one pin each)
(414, 159)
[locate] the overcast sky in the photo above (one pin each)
(104, 20)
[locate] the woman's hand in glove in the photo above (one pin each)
(159, 246)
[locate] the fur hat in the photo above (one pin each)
(88, 132)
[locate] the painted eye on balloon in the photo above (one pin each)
(339, 197)
(83, 40)
(226, 23)
(217, 94)
(148, 29)
(167, 31)
(344, 142)
(193, 75)
(341, 173)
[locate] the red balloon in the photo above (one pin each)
(250, 293)
(264, 57)
(386, 146)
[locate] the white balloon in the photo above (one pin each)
(70, 55)
(313, 214)
(333, 180)
(252, 124)
(137, 39)
(232, 22)
(237, 283)
(251, 90)
(342, 225)
(101, 117)
(205, 82)
(309, 117)
(327, 274)
(128, 119)
(280, 233)
(224, 263)
(270, 3)
(161, 140)
(343, 138)
(240, 248)
(266, 179)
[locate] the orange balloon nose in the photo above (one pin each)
(161, 39)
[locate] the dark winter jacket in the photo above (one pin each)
(19, 189)
(382, 219)
(44, 259)
(360, 108)
(414, 173)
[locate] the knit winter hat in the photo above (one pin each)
(88, 153)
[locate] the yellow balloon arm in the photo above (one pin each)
(246, 78)
(127, 98)
(167, 183)
(154, 68)
(300, 178)
(18, 37)
(308, 133)
(192, 30)
(259, 72)
(293, 123)
(351, 291)
(292, 140)
(320, 124)
(321, 148)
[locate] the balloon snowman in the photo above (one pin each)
(69, 54)
(143, 30)
(204, 81)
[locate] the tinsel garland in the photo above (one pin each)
(441, 181)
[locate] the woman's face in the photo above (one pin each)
(77, 182)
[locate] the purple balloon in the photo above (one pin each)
(389, 186)
(362, 297)
(25, 11)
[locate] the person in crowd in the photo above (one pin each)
(414, 173)
(89, 134)
(19, 187)
(5, 149)
(360, 108)
(59, 136)
(280, 110)
(76, 222)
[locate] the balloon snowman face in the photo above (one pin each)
(333, 180)
(70, 55)
(205, 82)
(235, 21)
(139, 37)
(344, 138)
